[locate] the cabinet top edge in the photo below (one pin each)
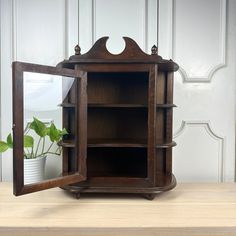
(132, 53)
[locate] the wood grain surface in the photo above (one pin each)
(189, 209)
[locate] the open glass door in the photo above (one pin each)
(49, 123)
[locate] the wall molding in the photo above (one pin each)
(145, 26)
(65, 27)
(92, 4)
(93, 21)
(8, 54)
(206, 124)
(71, 26)
(222, 62)
(14, 30)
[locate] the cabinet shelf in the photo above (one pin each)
(139, 143)
(166, 105)
(67, 105)
(93, 143)
(114, 105)
(166, 145)
(67, 143)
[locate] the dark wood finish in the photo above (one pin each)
(152, 123)
(149, 196)
(113, 105)
(81, 122)
(19, 188)
(67, 105)
(110, 188)
(131, 54)
(116, 143)
(119, 116)
(129, 108)
(69, 122)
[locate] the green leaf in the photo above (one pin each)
(39, 127)
(28, 141)
(9, 141)
(63, 132)
(54, 133)
(3, 146)
(48, 130)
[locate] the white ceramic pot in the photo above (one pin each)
(34, 170)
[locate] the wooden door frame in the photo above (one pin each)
(18, 117)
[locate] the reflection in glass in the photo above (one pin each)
(43, 94)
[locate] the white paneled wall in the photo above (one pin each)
(46, 32)
(201, 39)
(42, 32)
(6, 95)
(201, 156)
(201, 52)
(199, 35)
(134, 18)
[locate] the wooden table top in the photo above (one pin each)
(189, 209)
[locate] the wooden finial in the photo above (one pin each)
(154, 50)
(77, 50)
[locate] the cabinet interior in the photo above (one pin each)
(117, 124)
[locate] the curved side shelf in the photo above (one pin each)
(165, 105)
(113, 105)
(67, 144)
(77, 189)
(67, 105)
(115, 143)
(166, 145)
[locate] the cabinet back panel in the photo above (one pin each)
(118, 88)
(120, 162)
(116, 123)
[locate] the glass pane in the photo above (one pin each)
(44, 96)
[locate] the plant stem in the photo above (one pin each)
(42, 154)
(37, 147)
(32, 152)
(43, 145)
(58, 148)
(49, 147)
(27, 129)
(27, 151)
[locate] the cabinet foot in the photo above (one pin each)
(149, 196)
(77, 195)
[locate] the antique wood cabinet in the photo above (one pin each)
(118, 114)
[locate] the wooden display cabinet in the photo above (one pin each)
(118, 113)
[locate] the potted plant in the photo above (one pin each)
(36, 147)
